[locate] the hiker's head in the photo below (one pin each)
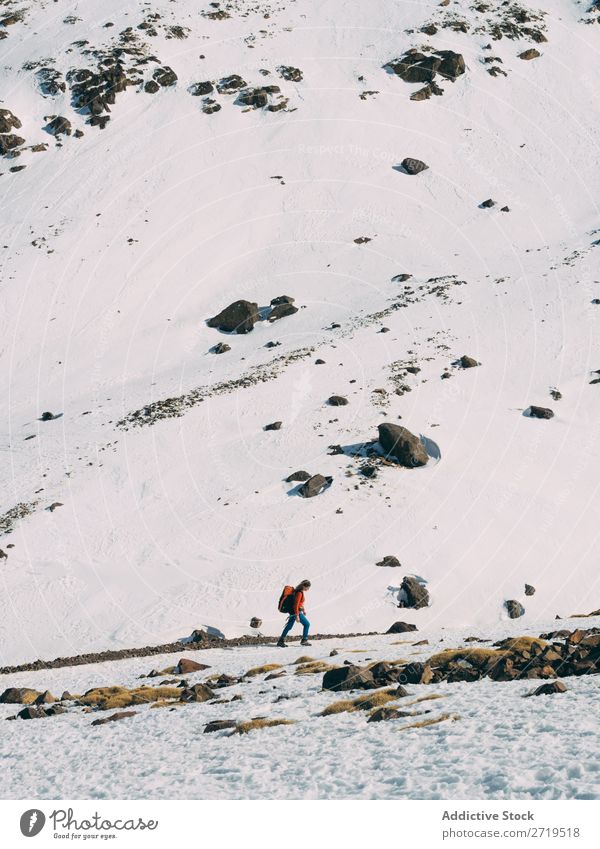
(303, 585)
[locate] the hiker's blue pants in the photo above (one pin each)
(290, 624)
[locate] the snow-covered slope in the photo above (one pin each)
(118, 245)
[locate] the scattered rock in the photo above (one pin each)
(413, 594)
(59, 126)
(298, 476)
(532, 53)
(282, 299)
(221, 348)
(529, 590)
(487, 204)
(539, 412)
(514, 609)
(549, 689)
(416, 67)
(231, 84)
(198, 89)
(401, 628)
(185, 666)
(400, 443)
(219, 725)
(40, 712)
(389, 560)
(115, 717)
(413, 166)
(238, 317)
(9, 142)
(385, 713)
(468, 362)
(337, 401)
(165, 77)
(273, 426)
(315, 485)
(197, 693)
(8, 121)
(287, 72)
(348, 678)
(282, 310)
(255, 622)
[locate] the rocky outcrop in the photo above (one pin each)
(514, 609)
(348, 678)
(315, 485)
(401, 628)
(8, 121)
(389, 560)
(413, 594)
(9, 142)
(238, 317)
(399, 443)
(416, 67)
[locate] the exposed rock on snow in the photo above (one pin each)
(534, 412)
(389, 560)
(287, 72)
(281, 310)
(8, 121)
(221, 348)
(255, 622)
(59, 125)
(514, 609)
(298, 476)
(349, 678)
(549, 689)
(468, 362)
(416, 67)
(532, 53)
(273, 426)
(398, 442)
(115, 717)
(401, 628)
(337, 401)
(413, 166)
(9, 142)
(238, 317)
(315, 486)
(529, 590)
(413, 594)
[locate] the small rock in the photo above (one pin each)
(219, 725)
(413, 166)
(486, 204)
(47, 417)
(404, 446)
(532, 53)
(197, 693)
(539, 412)
(514, 609)
(298, 476)
(529, 590)
(115, 717)
(468, 362)
(549, 689)
(337, 401)
(255, 622)
(273, 426)
(389, 560)
(59, 126)
(221, 348)
(238, 317)
(315, 485)
(401, 628)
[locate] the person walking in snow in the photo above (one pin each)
(292, 602)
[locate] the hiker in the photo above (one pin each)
(292, 602)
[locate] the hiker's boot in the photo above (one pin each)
(281, 644)
(305, 643)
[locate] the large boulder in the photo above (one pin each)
(315, 486)
(9, 142)
(349, 678)
(8, 121)
(404, 446)
(238, 317)
(401, 628)
(186, 665)
(414, 594)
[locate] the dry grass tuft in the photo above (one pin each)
(478, 657)
(343, 706)
(305, 658)
(374, 700)
(107, 698)
(520, 644)
(429, 698)
(434, 721)
(258, 670)
(314, 668)
(252, 724)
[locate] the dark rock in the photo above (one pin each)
(319, 362)
(165, 77)
(40, 712)
(282, 299)
(529, 590)
(385, 713)
(219, 725)
(255, 622)
(18, 695)
(315, 485)
(273, 426)
(59, 126)
(514, 609)
(487, 204)
(151, 87)
(298, 476)
(210, 106)
(238, 317)
(549, 689)
(287, 72)
(337, 401)
(540, 412)
(416, 67)
(185, 666)
(281, 311)
(231, 84)
(115, 717)
(45, 698)
(389, 560)
(416, 594)
(468, 362)
(197, 693)
(385, 673)
(401, 278)
(414, 673)
(349, 678)
(401, 628)
(532, 53)
(429, 29)
(257, 98)
(47, 417)
(9, 142)
(400, 692)
(201, 88)
(221, 348)
(453, 64)
(413, 166)
(400, 443)
(8, 121)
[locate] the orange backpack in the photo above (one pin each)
(286, 600)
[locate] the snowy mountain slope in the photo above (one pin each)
(118, 245)
(495, 744)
